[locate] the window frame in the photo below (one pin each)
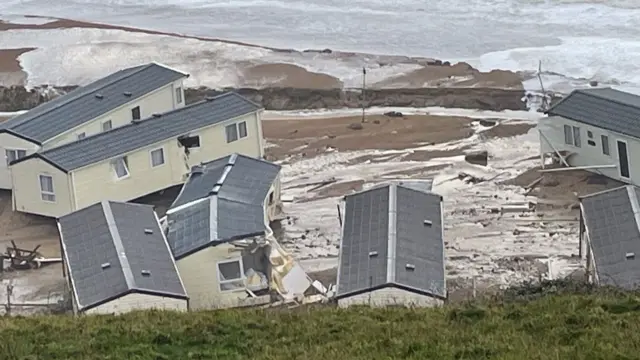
(125, 165)
(246, 131)
(604, 139)
(179, 95)
(577, 141)
(222, 282)
(233, 126)
(16, 153)
(133, 110)
(44, 194)
(164, 160)
(107, 122)
(568, 135)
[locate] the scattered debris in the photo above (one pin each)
(470, 179)
(393, 114)
(477, 158)
(529, 188)
(487, 122)
(23, 259)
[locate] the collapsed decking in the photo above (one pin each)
(596, 130)
(137, 159)
(610, 236)
(116, 259)
(392, 248)
(217, 227)
(110, 102)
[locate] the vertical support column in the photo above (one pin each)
(580, 235)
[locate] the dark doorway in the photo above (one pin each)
(623, 159)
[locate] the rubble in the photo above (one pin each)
(477, 158)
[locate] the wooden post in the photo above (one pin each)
(8, 305)
(364, 85)
(580, 234)
(588, 268)
(473, 287)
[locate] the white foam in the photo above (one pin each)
(435, 110)
(79, 56)
(576, 62)
(314, 231)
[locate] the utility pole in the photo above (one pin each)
(364, 85)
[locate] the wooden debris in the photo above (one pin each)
(23, 259)
(532, 185)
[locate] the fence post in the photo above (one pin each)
(9, 293)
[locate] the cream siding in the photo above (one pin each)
(390, 297)
(158, 101)
(553, 129)
(272, 211)
(136, 301)
(97, 182)
(26, 190)
(11, 142)
(144, 179)
(199, 273)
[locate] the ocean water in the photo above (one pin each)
(576, 41)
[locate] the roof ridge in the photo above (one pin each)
(121, 128)
(117, 243)
(392, 233)
(78, 96)
(227, 169)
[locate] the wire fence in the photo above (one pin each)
(9, 305)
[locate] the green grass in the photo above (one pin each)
(523, 324)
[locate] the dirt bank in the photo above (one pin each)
(18, 98)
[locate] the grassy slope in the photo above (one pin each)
(583, 326)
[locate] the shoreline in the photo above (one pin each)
(226, 61)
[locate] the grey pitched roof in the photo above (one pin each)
(222, 200)
(128, 138)
(384, 235)
(605, 108)
(82, 104)
(612, 219)
(107, 249)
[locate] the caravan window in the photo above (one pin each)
(568, 135)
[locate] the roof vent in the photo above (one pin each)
(197, 169)
(99, 96)
(209, 98)
(106, 265)
(148, 231)
(145, 273)
(373, 253)
(427, 223)
(127, 93)
(410, 267)
(630, 256)
(156, 115)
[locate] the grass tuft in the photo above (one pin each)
(552, 320)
